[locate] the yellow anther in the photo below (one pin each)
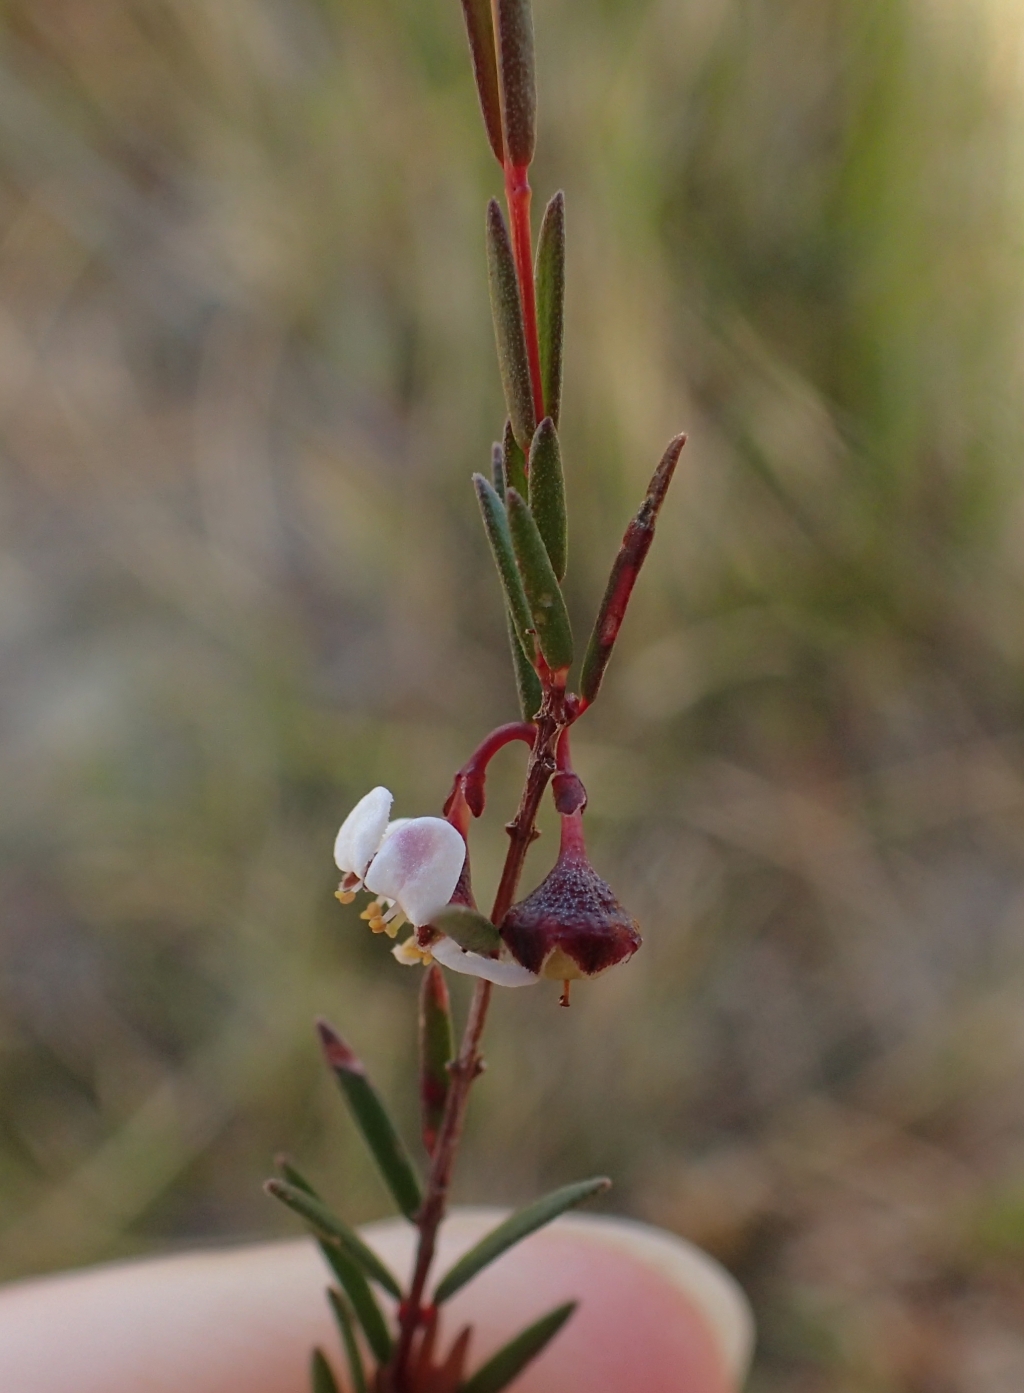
(344, 896)
(410, 953)
(378, 925)
(372, 911)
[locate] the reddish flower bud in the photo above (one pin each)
(571, 925)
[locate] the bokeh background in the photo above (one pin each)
(246, 368)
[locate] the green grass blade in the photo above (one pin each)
(354, 1284)
(549, 278)
(321, 1378)
(511, 1359)
(348, 1337)
(515, 1228)
(547, 494)
(328, 1225)
(372, 1118)
(543, 593)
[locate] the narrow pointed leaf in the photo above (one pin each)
(518, 83)
(469, 928)
(364, 1303)
(498, 534)
(437, 1050)
(511, 1359)
(543, 593)
(348, 1337)
(480, 29)
(355, 1285)
(329, 1226)
(372, 1118)
(547, 494)
(509, 334)
(515, 463)
(527, 682)
(635, 545)
(455, 1361)
(549, 277)
(498, 470)
(321, 1378)
(514, 1229)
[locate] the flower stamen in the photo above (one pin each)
(409, 953)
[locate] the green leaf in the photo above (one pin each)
(469, 928)
(349, 1275)
(514, 1229)
(543, 593)
(511, 1359)
(480, 29)
(348, 1336)
(549, 279)
(293, 1176)
(509, 334)
(498, 470)
(372, 1118)
(547, 494)
(515, 463)
(497, 528)
(328, 1225)
(527, 682)
(437, 1050)
(320, 1376)
(364, 1303)
(518, 84)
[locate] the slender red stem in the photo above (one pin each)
(517, 194)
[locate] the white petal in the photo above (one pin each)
(356, 844)
(418, 866)
(504, 974)
(392, 828)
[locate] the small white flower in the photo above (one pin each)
(503, 972)
(359, 839)
(412, 866)
(417, 867)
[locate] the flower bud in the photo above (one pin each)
(571, 925)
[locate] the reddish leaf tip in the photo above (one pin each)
(337, 1053)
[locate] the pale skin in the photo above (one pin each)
(652, 1315)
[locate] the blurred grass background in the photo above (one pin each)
(246, 367)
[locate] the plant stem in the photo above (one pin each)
(467, 1065)
(517, 195)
